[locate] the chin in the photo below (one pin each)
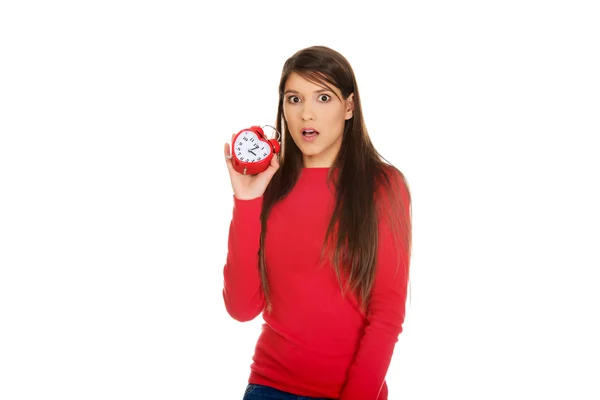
(309, 151)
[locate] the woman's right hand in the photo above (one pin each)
(248, 187)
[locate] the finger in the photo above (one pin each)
(274, 162)
(227, 155)
(226, 151)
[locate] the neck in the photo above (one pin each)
(324, 159)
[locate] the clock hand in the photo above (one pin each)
(250, 151)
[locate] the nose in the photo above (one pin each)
(307, 112)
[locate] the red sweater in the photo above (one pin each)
(315, 342)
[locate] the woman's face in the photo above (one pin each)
(315, 117)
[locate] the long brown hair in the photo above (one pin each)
(363, 184)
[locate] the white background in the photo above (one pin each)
(115, 199)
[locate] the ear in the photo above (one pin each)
(349, 107)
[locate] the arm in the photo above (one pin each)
(385, 315)
(242, 292)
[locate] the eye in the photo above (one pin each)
(293, 99)
(324, 98)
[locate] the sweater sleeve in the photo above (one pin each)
(242, 292)
(366, 376)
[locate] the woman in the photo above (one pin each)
(320, 244)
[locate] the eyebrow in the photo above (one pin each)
(316, 91)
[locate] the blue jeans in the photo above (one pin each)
(260, 392)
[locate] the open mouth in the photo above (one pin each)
(309, 132)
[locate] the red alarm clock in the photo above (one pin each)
(252, 151)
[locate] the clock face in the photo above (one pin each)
(248, 148)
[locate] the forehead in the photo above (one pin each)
(298, 83)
